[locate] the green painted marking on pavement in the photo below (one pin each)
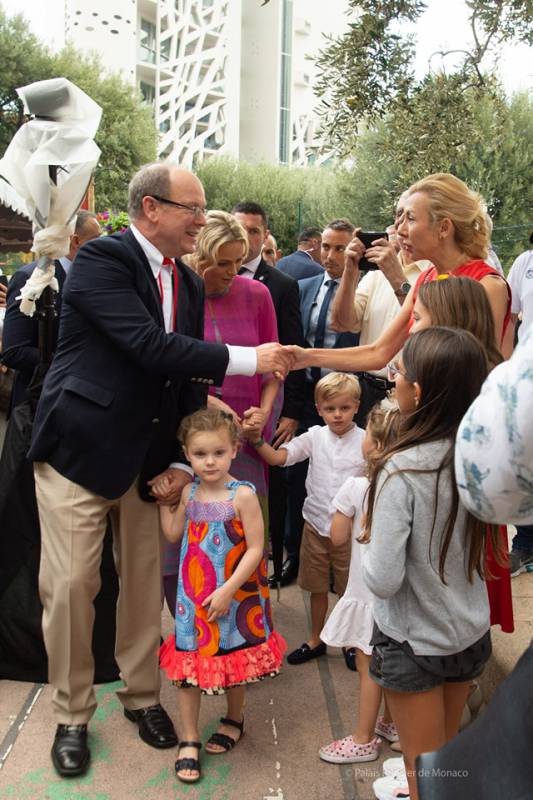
(107, 700)
(215, 774)
(158, 780)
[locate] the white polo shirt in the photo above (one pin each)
(332, 459)
(520, 280)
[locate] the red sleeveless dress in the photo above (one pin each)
(499, 586)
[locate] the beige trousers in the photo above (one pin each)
(73, 524)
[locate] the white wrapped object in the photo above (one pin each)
(61, 137)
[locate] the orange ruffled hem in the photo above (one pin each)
(215, 674)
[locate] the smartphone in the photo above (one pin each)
(3, 280)
(367, 237)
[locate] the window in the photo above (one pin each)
(147, 39)
(147, 92)
(285, 94)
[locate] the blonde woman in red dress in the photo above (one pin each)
(445, 222)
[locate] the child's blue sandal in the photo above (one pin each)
(223, 740)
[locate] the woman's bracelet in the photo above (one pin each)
(260, 442)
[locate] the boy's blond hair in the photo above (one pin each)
(335, 383)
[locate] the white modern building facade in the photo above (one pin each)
(226, 77)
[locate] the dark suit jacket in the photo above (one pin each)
(20, 338)
(285, 296)
(309, 289)
(299, 265)
(118, 384)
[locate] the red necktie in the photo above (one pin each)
(169, 262)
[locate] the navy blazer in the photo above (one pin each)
(20, 338)
(119, 384)
(309, 289)
(299, 265)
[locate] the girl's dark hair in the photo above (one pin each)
(462, 303)
(449, 365)
(208, 419)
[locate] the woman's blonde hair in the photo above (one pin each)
(221, 228)
(450, 198)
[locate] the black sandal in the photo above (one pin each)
(223, 740)
(188, 763)
(349, 658)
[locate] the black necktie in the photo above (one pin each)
(320, 333)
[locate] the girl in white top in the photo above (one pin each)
(351, 622)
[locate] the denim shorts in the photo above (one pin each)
(395, 666)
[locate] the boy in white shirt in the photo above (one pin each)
(334, 453)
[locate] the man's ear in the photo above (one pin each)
(150, 208)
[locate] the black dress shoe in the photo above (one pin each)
(70, 753)
(305, 653)
(155, 726)
(289, 573)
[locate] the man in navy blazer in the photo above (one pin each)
(304, 262)
(20, 338)
(129, 364)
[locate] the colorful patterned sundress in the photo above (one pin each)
(241, 647)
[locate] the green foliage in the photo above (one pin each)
(126, 136)
(292, 198)
(23, 59)
(362, 71)
(366, 73)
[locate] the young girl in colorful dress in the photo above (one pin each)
(425, 559)
(224, 636)
(351, 622)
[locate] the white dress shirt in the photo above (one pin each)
(251, 267)
(242, 360)
(66, 263)
(332, 459)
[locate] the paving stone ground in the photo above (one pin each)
(287, 719)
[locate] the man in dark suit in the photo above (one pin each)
(316, 300)
(20, 340)
(129, 364)
(284, 292)
(304, 262)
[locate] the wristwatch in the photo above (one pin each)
(403, 290)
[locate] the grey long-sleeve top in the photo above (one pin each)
(412, 604)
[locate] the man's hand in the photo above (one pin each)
(3, 295)
(168, 486)
(273, 357)
(353, 254)
(285, 431)
(383, 253)
(216, 402)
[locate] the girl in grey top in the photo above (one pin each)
(424, 560)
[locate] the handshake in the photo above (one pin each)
(280, 359)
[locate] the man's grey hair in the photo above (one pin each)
(152, 179)
(82, 219)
